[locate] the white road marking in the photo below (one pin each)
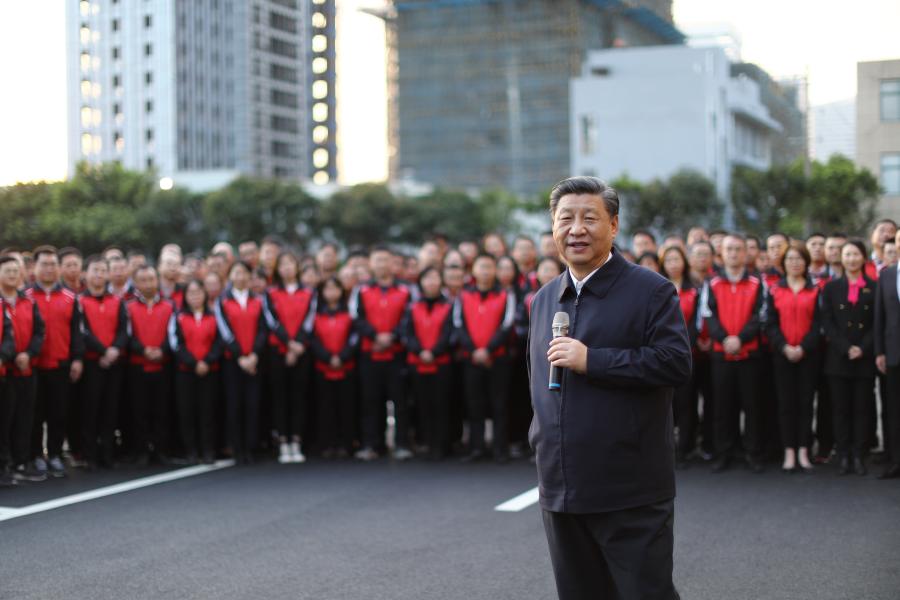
(7, 513)
(520, 502)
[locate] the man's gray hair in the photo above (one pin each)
(586, 185)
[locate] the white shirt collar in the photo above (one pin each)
(241, 296)
(291, 288)
(580, 284)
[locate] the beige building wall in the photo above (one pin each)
(877, 137)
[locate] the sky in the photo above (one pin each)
(822, 38)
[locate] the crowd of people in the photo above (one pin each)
(121, 357)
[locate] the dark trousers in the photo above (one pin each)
(241, 408)
(795, 384)
(684, 407)
(735, 385)
(336, 412)
(851, 397)
(289, 390)
(890, 414)
(7, 405)
(432, 394)
(488, 388)
(100, 391)
(520, 411)
(50, 407)
(457, 403)
(382, 381)
(769, 423)
(824, 410)
(195, 401)
(701, 384)
(74, 418)
(150, 410)
(622, 555)
(16, 422)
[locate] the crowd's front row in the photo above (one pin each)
(115, 360)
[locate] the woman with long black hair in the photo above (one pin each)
(793, 324)
(242, 325)
(428, 330)
(290, 309)
(848, 312)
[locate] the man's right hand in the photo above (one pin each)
(732, 344)
(23, 361)
(881, 363)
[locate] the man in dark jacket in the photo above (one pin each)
(887, 359)
(603, 440)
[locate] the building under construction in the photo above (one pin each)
(479, 89)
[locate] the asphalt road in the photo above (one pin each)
(336, 530)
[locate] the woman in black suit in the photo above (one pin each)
(848, 311)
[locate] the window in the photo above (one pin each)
(890, 100)
(85, 88)
(148, 106)
(321, 178)
(86, 115)
(890, 173)
(149, 135)
(118, 141)
(117, 81)
(85, 62)
(116, 53)
(283, 73)
(149, 163)
(283, 48)
(320, 158)
(148, 77)
(148, 49)
(85, 34)
(320, 112)
(115, 24)
(588, 131)
(285, 99)
(320, 89)
(319, 65)
(284, 124)
(148, 21)
(320, 134)
(319, 21)
(319, 43)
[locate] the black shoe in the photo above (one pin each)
(891, 472)
(720, 465)
(27, 473)
(844, 468)
(681, 464)
(859, 467)
(755, 466)
(7, 480)
(473, 456)
(790, 471)
(501, 459)
(142, 460)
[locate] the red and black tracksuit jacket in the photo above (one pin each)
(334, 333)
(734, 309)
(176, 296)
(62, 326)
(483, 319)
(194, 339)
(289, 315)
(104, 324)
(243, 330)
(148, 324)
(377, 310)
(127, 294)
(27, 330)
(793, 318)
(429, 326)
(7, 341)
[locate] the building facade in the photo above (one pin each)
(649, 112)
(878, 129)
(479, 89)
(179, 86)
(833, 128)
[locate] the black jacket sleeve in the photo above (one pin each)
(76, 339)
(502, 335)
(349, 349)
(409, 338)
(836, 338)
(773, 325)
(272, 321)
(216, 350)
(812, 339)
(8, 346)
(664, 357)
(262, 333)
(228, 339)
(459, 323)
(443, 344)
(91, 342)
(716, 331)
(358, 313)
(880, 318)
(121, 339)
(176, 342)
(38, 332)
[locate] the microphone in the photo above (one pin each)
(560, 329)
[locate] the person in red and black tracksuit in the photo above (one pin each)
(197, 346)
(483, 315)
(149, 356)
(734, 304)
(28, 333)
(60, 361)
(793, 323)
(289, 308)
(169, 268)
(7, 354)
(848, 315)
(333, 343)
(674, 267)
(71, 269)
(105, 330)
(242, 325)
(378, 308)
(427, 338)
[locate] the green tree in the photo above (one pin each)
(686, 199)
(840, 196)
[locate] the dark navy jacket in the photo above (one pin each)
(604, 442)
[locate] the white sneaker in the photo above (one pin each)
(284, 454)
(296, 455)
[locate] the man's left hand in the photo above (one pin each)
(568, 353)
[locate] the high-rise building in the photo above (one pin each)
(479, 89)
(709, 119)
(833, 128)
(187, 86)
(878, 128)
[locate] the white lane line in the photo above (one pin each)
(520, 502)
(119, 488)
